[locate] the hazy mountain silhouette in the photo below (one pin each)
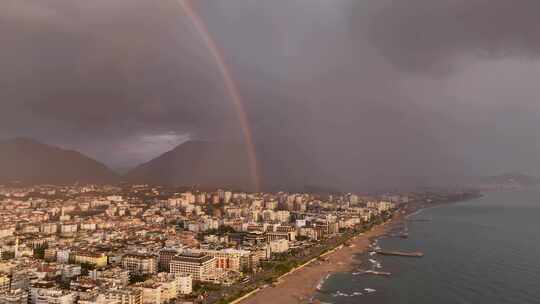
(508, 180)
(206, 164)
(31, 162)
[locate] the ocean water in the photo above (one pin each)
(481, 251)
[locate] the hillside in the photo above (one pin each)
(508, 181)
(216, 164)
(31, 162)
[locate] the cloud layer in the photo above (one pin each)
(375, 92)
(424, 35)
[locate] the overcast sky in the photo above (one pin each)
(370, 89)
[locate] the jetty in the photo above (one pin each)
(378, 273)
(400, 253)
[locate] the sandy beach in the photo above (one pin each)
(299, 286)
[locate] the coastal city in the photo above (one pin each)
(141, 244)
(269, 152)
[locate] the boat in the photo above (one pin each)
(340, 294)
(369, 290)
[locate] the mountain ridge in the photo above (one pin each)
(507, 181)
(208, 164)
(29, 161)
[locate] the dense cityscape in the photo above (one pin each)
(269, 152)
(139, 244)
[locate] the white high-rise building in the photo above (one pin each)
(201, 267)
(140, 264)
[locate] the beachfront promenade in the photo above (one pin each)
(300, 284)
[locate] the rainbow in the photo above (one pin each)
(230, 86)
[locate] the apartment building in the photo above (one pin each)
(201, 267)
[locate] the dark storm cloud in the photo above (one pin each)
(105, 69)
(425, 35)
(311, 81)
(123, 80)
(487, 53)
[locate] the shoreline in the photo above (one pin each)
(300, 284)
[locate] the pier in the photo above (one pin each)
(400, 253)
(378, 273)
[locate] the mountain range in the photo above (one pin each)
(31, 162)
(507, 181)
(202, 164)
(206, 164)
(197, 163)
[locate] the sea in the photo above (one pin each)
(485, 250)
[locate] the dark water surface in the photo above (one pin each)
(481, 251)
